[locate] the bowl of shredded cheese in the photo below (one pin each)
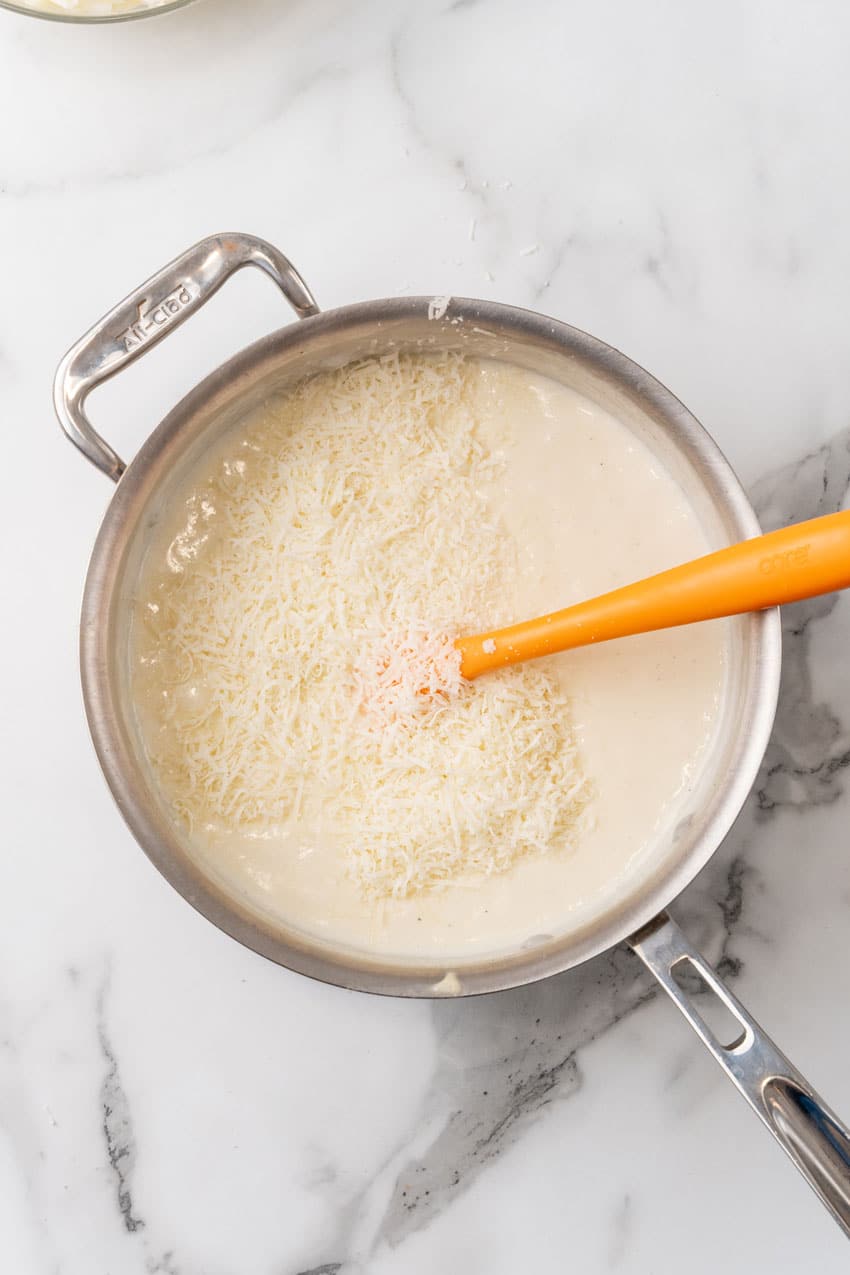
(93, 10)
(267, 639)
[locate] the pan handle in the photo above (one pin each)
(148, 314)
(810, 1133)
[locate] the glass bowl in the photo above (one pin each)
(55, 15)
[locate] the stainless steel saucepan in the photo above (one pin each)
(809, 1132)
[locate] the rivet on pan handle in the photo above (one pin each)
(142, 319)
(801, 1122)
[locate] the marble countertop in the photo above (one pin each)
(666, 176)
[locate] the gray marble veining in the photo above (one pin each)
(117, 1123)
(669, 180)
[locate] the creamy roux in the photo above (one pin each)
(589, 508)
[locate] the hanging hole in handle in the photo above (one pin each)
(180, 289)
(126, 408)
(717, 1017)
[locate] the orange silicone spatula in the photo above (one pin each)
(796, 562)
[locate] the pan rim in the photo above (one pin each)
(342, 966)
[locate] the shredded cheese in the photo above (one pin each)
(407, 674)
(91, 8)
(287, 630)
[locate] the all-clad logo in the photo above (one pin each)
(154, 316)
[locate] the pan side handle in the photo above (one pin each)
(147, 315)
(811, 1134)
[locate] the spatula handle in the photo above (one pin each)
(795, 562)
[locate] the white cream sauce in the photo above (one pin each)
(590, 508)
